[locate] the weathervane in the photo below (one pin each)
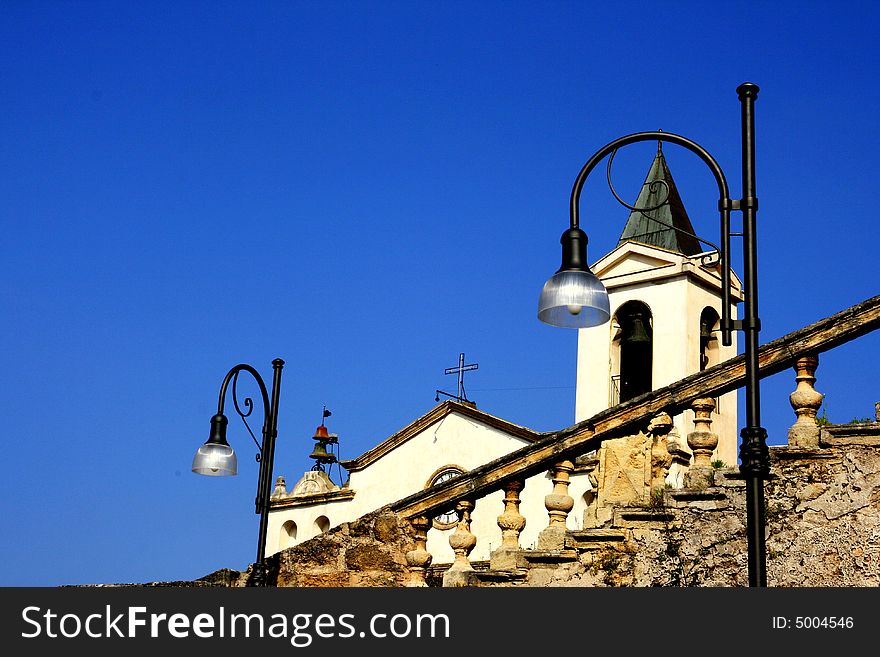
(460, 370)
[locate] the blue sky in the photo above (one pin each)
(367, 189)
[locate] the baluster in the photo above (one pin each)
(462, 542)
(558, 504)
(805, 401)
(702, 443)
(661, 459)
(419, 559)
(511, 522)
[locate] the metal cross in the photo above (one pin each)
(460, 370)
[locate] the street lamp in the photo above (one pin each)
(574, 297)
(556, 308)
(216, 458)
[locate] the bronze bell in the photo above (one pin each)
(636, 329)
(705, 331)
(321, 454)
(705, 334)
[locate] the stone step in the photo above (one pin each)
(593, 539)
(537, 558)
(503, 576)
(708, 499)
(642, 517)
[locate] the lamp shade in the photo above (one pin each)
(216, 458)
(574, 298)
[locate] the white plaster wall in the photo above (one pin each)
(454, 440)
(305, 518)
(668, 305)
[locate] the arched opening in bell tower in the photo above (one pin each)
(709, 325)
(632, 348)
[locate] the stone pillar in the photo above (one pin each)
(462, 542)
(702, 443)
(591, 497)
(681, 460)
(806, 402)
(419, 558)
(511, 522)
(280, 488)
(658, 429)
(558, 504)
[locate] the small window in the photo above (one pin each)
(447, 519)
(322, 523)
(288, 534)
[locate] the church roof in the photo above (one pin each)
(667, 226)
(431, 417)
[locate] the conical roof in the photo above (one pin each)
(667, 226)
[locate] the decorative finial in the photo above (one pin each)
(659, 143)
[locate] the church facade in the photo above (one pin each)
(450, 439)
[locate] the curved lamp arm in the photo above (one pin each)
(724, 205)
(233, 373)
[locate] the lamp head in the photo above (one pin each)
(216, 458)
(574, 297)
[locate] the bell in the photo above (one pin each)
(705, 331)
(321, 455)
(705, 334)
(636, 329)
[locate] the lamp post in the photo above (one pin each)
(217, 458)
(555, 310)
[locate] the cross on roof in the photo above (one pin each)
(460, 369)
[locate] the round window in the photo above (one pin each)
(447, 519)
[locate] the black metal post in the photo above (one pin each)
(754, 454)
(267, 453)
(267, 459)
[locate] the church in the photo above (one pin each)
(665, 296)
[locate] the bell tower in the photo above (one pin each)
(665, 297)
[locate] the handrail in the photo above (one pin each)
(586, 436)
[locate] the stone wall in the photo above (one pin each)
(822, 518)
(369, 551)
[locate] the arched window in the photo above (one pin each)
(634, 345)
(288, 534)
(709, 323)
(322, 523)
